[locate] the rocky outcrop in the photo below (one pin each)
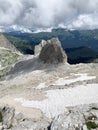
(49, 52)
(10, 121)
(6, 44)
(52, 52)
(7, 117)
(84, 117)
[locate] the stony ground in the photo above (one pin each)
(37, 96)
(44, 91)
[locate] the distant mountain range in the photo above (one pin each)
(73, 41)
(14, 28)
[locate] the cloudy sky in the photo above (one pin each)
(49, 13)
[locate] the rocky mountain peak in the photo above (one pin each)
(52, 52)
(4, 42)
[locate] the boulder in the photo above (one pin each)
(7, 117)
(83, 117)
(52, 52)
(10, 121)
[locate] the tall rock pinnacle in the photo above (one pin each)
(52, 52)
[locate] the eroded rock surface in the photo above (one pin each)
(83, 117)
(10, 121)
(6, 44)
(7, 117)
(52, 52)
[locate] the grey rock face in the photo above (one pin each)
(38, 48)
(69, 121)
(30, 125)
(52, 52)
(6, 44)
(84, 117)
(10, 121)
(7, 117)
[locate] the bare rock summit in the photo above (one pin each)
(52, 52)
(4, 42)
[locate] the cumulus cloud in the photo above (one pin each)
(86, 21)
(49, 13)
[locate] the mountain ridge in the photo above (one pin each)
(4, 42)
(70, 40)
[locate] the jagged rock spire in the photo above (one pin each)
(52, 52)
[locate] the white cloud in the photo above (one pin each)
(85, 21)
(9, 11)
(49, 13)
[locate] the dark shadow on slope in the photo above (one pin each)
(30, 65)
